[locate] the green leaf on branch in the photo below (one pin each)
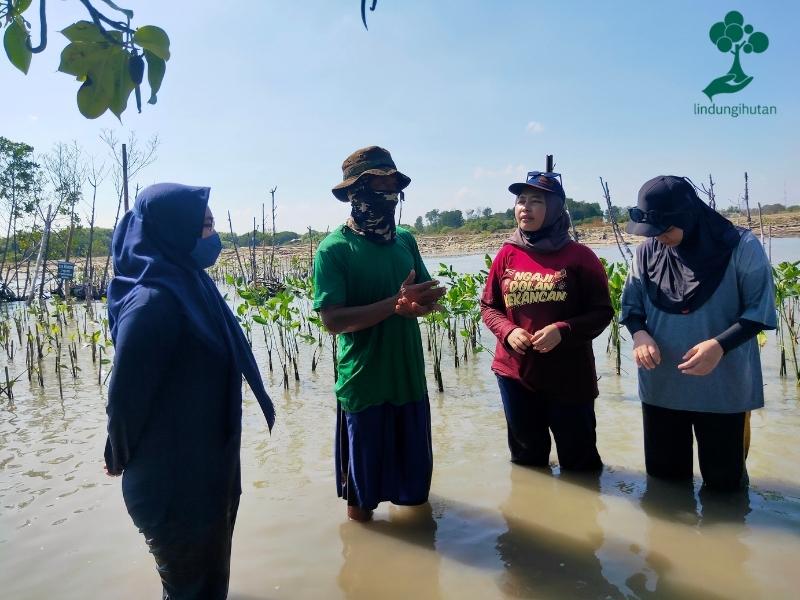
(94, 95)
(20, 6)
(103, 68)
(86, 31)
(123, 85)
(15, 44)
(79, 58)
(154, 39)
(156, 67)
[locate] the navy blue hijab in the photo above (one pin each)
(152, 246)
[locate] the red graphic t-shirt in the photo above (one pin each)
(530, 290)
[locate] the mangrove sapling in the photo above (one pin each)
(435, 323)
(787, 291)
(617, 273)
(462, 303)
(8, 390)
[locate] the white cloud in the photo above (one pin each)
(465, 193)
(534, 127)
(507, 171)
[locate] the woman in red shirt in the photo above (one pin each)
(546, 299)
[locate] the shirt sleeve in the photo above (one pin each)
(147, 336)
(596, 308)
(755, 283)
(632, 311)
(493, 307)
(737, 334)
(419, 266)
(330, 282)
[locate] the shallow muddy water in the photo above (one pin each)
(492, 530)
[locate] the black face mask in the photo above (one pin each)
(372, 214)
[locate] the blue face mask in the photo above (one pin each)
(206, 251)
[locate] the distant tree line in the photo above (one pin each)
(766, 209)
(485, 220)
(27, 241)
(480, 220)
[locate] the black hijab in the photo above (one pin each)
(152, 246)
(681, 279)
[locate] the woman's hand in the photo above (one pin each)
(645, 351)
(702, 358)
(109, 473)
(519, 340)
(546, 338)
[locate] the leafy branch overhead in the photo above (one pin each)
(107, 56)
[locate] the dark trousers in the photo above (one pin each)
(194, 564)
(720, 446)
(531, 416)
(384, 453)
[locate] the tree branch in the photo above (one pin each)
(128, 13)
(43, 28)
(364, 11)
(97, 16)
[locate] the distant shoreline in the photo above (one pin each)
(455, 243)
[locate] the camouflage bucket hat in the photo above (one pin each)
(372, 160)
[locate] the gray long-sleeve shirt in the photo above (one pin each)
(746, 291)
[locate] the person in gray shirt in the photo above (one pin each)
(698, 293)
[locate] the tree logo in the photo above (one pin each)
(733, 36)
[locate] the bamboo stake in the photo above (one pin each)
(125, 176)
(615, 225)
(272, 251)
(747, 201)
(235, 246)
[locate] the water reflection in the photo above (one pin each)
(679, 523)
(404, 564)
(494, 530)
(549, 549)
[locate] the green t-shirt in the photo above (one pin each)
(383, 363)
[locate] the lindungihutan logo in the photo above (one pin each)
(732, 36)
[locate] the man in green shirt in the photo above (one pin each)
(370, 285)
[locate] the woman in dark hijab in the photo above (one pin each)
(546, 298)
(175, 400)
(699, 291)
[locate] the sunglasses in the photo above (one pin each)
(534, 175)
(654, 217)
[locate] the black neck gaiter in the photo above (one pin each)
(372, 214)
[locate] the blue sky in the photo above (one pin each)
(467, 95)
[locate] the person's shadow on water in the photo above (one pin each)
(549, 547)
(673, 504)
(547, 537)
(394, 558)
